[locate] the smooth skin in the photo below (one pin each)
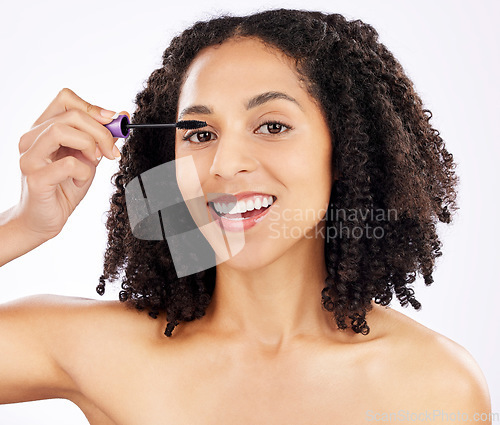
(266, 352)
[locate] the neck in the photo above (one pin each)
(276, 303)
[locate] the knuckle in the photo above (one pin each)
(89, 107)
(70, 162)
(54, 129)
(65, 93)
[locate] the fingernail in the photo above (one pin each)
(107, 114)
(116, 152)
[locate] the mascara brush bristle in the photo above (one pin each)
(190, 124)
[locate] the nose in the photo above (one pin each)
(232, 156)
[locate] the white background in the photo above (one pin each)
(105, 52)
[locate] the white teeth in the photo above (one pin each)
(243, 206)
(239, 207)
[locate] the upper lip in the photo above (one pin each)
(229, 197)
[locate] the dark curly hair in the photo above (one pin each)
(386, 154)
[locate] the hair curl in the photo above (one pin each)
(386, 154)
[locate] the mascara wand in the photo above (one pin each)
(120, 127)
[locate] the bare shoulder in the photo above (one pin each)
(84, 316)
(443, 374)
(98, 344)
(80, 331)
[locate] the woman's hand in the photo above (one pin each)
(59, 156)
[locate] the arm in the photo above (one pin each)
(15, 239)
(29, 347)
(58, 160)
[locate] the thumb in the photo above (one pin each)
(124, 113)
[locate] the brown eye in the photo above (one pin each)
(198, 137)
(203, 136)
(274, 128)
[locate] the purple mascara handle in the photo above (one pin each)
(119, 126)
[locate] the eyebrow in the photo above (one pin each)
(255, 101)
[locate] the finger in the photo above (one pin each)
(66, 100)
(116, 151)
(78, 120)
(45, 181)
(47, 147)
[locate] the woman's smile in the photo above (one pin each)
(243, 213)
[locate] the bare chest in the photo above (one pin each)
(270, 397)
(232, 391)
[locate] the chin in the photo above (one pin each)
(253, 256)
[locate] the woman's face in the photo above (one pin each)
(266, 135)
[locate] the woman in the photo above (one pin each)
(309, 110)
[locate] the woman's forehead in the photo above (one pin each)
(240, 68)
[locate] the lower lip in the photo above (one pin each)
(238, 225)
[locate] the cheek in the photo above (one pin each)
(310, 168)
(317, 180)
(307, 181)
(187, 177)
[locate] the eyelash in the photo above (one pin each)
(187, 136)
